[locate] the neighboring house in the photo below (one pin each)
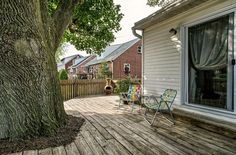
(67, 61)
(190, 46)
(121, 59)
(72, 69)
(78, 69)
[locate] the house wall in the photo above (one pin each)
(70, 63)
(96, 69)
(81, 69)
(93, 69)
(132, 57)
(162, 54)
(60, 67)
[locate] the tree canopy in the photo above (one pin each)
(152, 2)
(92, 25)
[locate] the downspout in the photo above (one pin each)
(112, 70)
(135, 33)
(142, 59)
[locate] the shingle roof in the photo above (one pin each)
(67, 59)
(78, 61)
(108, 50)
(112, 52)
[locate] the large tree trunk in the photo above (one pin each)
(30, 99)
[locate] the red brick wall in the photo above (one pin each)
(81, 69)
(70, 63)
(132, 57)
(95, 71)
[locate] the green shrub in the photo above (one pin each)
(63, 75)
(103, 71)
(122, 85)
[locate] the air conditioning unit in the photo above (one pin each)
(139, 49)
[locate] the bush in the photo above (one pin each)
(122, 85)
(103, 71)
(63, 75)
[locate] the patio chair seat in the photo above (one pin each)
(153, 106)
(133, 94)
(160, 104)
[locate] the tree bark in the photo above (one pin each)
(30, 98)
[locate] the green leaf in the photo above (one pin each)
(93, 24)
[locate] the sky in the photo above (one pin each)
(133, 10)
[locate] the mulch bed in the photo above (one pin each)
(64, 136)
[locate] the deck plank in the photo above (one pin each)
(130, 132)
(199, 146)
(114, 131)
(47, 151)
(59, 150)
(30, 152)
(133, 139)
(95, 147)
(17, 153)
(82, 146)
(71, 149)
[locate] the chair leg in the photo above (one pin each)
(145, 116)
(153, 119)
(171, 115)
(140, 108)
(132, 106)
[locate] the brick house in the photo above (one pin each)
(121, 59)
(67, 62)
(78, 69)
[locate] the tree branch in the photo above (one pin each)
(62, 18)
(46, 22)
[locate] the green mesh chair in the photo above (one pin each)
(160, 104)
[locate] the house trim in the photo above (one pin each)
(142, 58)
(184, 62)
(169, 12)
(219, 119)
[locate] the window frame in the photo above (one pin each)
(125, 65)
(185, 57)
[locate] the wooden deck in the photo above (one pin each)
(110, 130)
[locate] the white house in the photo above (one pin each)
(190, 46)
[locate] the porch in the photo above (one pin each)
(111, 130)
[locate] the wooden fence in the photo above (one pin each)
(75, 88)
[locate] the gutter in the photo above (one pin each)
(135, 33)
(112, 69)
(171, 10)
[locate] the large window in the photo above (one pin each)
(210, 48)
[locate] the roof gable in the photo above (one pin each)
(123, 48)
(108, 50)
(113, 52)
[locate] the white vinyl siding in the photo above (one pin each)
(162, 65)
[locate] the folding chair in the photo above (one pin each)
(133, 95)
(160, 104)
